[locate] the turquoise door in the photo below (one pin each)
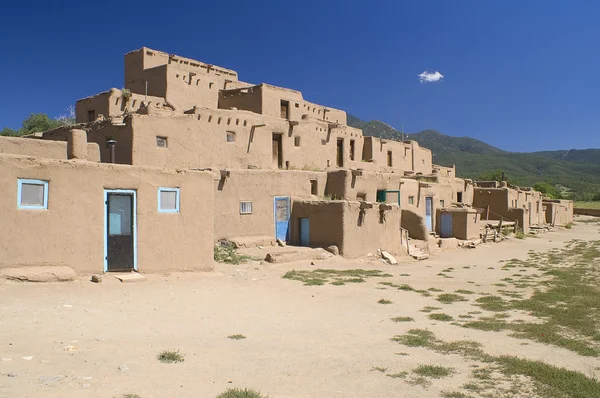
(446, 230)
(282, 217)
(304, 232)
(428, 213)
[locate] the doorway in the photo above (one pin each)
(282, 217)
(304, 231)
(446, 230)
(352, 149)
(428, 213)
(340, 152)
(120, 232)
(285, 109)
(277, 150)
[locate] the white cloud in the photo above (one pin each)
(430, 77)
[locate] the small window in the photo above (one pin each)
(230, 136)
(442, 203)
(32, 194)
(297, 105)
(411, 200)
(245, 207)
(459, 197)
(297, 140)
(161, 142)
(389, 158)
(91, 115)
(168, 200)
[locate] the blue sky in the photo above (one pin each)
(520, 75)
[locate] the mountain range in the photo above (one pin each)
(576, 170)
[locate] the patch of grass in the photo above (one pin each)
(441, 317)
(419, 381)
(433, 371)
(520, 235)
(385, 301)
(225, 252)
(449, 298)
(415, 338)
(464, 291)
(402, 319)
(378, 369)
(454, 394)
(553, 381)
(429, 309)
(320, 276)
(492, 303)
(569, 225)
(236, 337)
(398, 375)
(241, 393)
(404, 274)
(130, 396)
(464, 316)
(487, 324)
(170, 357)
(435, 289)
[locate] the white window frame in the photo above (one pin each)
(242, 202)
(32, 182)
(411, 200)
(169, 189)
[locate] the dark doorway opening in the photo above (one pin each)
(352, 146)
(277, 150)
(459, 197)
(340, 152)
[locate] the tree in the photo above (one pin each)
(547, 189)
(38, 122)
(6, 131)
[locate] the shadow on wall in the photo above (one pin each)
(414, 224)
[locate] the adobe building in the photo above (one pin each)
(250, 163)
(60, 206)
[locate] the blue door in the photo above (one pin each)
(304, 232)
(428, 211)
(446, 230)
(282, 217)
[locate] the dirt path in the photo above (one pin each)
(301, 341)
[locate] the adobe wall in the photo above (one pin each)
(100, 132)
(260, 187)
(200, 140)
(245, 98)
(71, 231)
(422, 158)
(376, 152)
(361, 184)
(587, 212)
(111, 103)
(465, 222)
(501, 205)
(33, 147)
(357, 228)
(558, 212)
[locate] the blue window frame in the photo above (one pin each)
(168, 200)
(32, 194)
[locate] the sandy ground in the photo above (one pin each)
(302, 341)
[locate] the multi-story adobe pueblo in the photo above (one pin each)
(186, 154)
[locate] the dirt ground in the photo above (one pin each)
(82, 339)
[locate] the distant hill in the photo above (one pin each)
(578, 170)
(574, 155)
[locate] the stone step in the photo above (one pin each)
(420, 256)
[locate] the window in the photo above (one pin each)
(245, 207)
(352, 146)
(389, 158)
(168, 200)
(91, 115)
(459, 197)
(161, 142)
(32, 194)
(442, 203)
(230, 136)
(297, 140)
(411, 200)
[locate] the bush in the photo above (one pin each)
(239, 393)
